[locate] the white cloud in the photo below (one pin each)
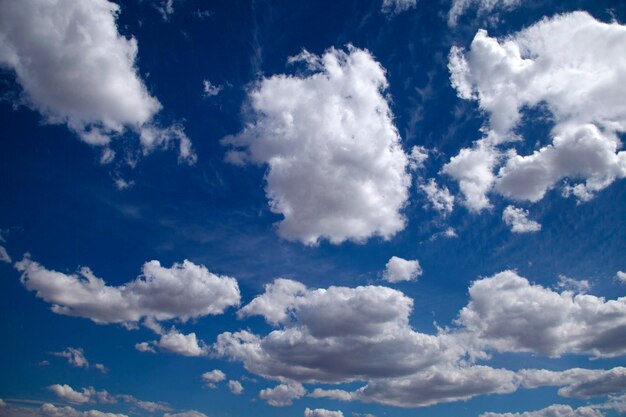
(438, 385)
(166, 8)
(571, 284)
(483, 8)
(335, 394)
(556, 410)
(209, 89)
(183, 291)
(190, 413)
(4, 255)
(235, 387)
(417, 157)
(576, 382)
(392, 7)
(76, 69)
(518, 219)
(213, 376)
(582, 88)
(337, 170)
(181, 344)
(67, 393)
(473, 169)
(75, 357)
(399, 269)
(100, 367)
(440, 198)
(508, 313)
(283, 394)
(320, 412)
(144, 347)
(621, 276)
(335, 335)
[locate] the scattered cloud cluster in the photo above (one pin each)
(76, 69)
(76, 357)
(211, 378)
(336, 168)
(50, 410)
(439, 198)
(581, 88)
(210, 90)
(320, 412)
(283, 394)
(517, 219)
(484, 8)
(399, 269)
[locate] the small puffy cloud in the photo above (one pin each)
(183, 291)
(417, 157)
(190, 413)
(571, 284)
(75, 357)
(144, 347)
(399, 269)
(283, 394)
(484, 8)
(235, 387)
(392, 7)
(439, 198)
(100, 367)
(76, 69)
(209, 89)
(335, 394)
(621, 276)
(508, 313)
(320, 412)
(517, 219)
(336, 167)
(181, 344)
(67, 393)
(581, 88)
(556, 410)
(4, 255)
(213, 376)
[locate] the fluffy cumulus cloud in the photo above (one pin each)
(213, 377)
(439, 198)
(75, 357)
(176, 342)
(517, 219)
(556, 410)
(339, 335)
(372, 338)
(581, 88)
(75, 68)
(336, 168)
(283, 394)
(91, 395)
(184, 291)
(621, 276)
(235, 387)
(67, 393)
(320, 412)
(399, 269)
(437, 385)
(392, 7)
(50, 410)
(508, 313)
(484, 8)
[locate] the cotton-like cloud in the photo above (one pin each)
(75, 357)
(182, 344)
(556, 410)
(335, 394)
(50, 410)
(144, 347)
(235, 387)
(399, 269)
(517, 219)
(67, 393)
(183, 291)
(336, 168)
(577, 383)
(621, 276)
(417, 157)
(210, 90)
(581, 88)
(439, 198)
(76, 69)
(213, 376)
(392, 7)
(283, 394)
(438, 385)
(484, 8)
(91, 395)
(509, 314)
(320, 412)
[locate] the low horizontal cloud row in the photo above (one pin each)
(184, 291)
(374, 342)
(581, 88)
(75, 68)
(90, 395)
(336, 167)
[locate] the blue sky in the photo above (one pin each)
(313, 208)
